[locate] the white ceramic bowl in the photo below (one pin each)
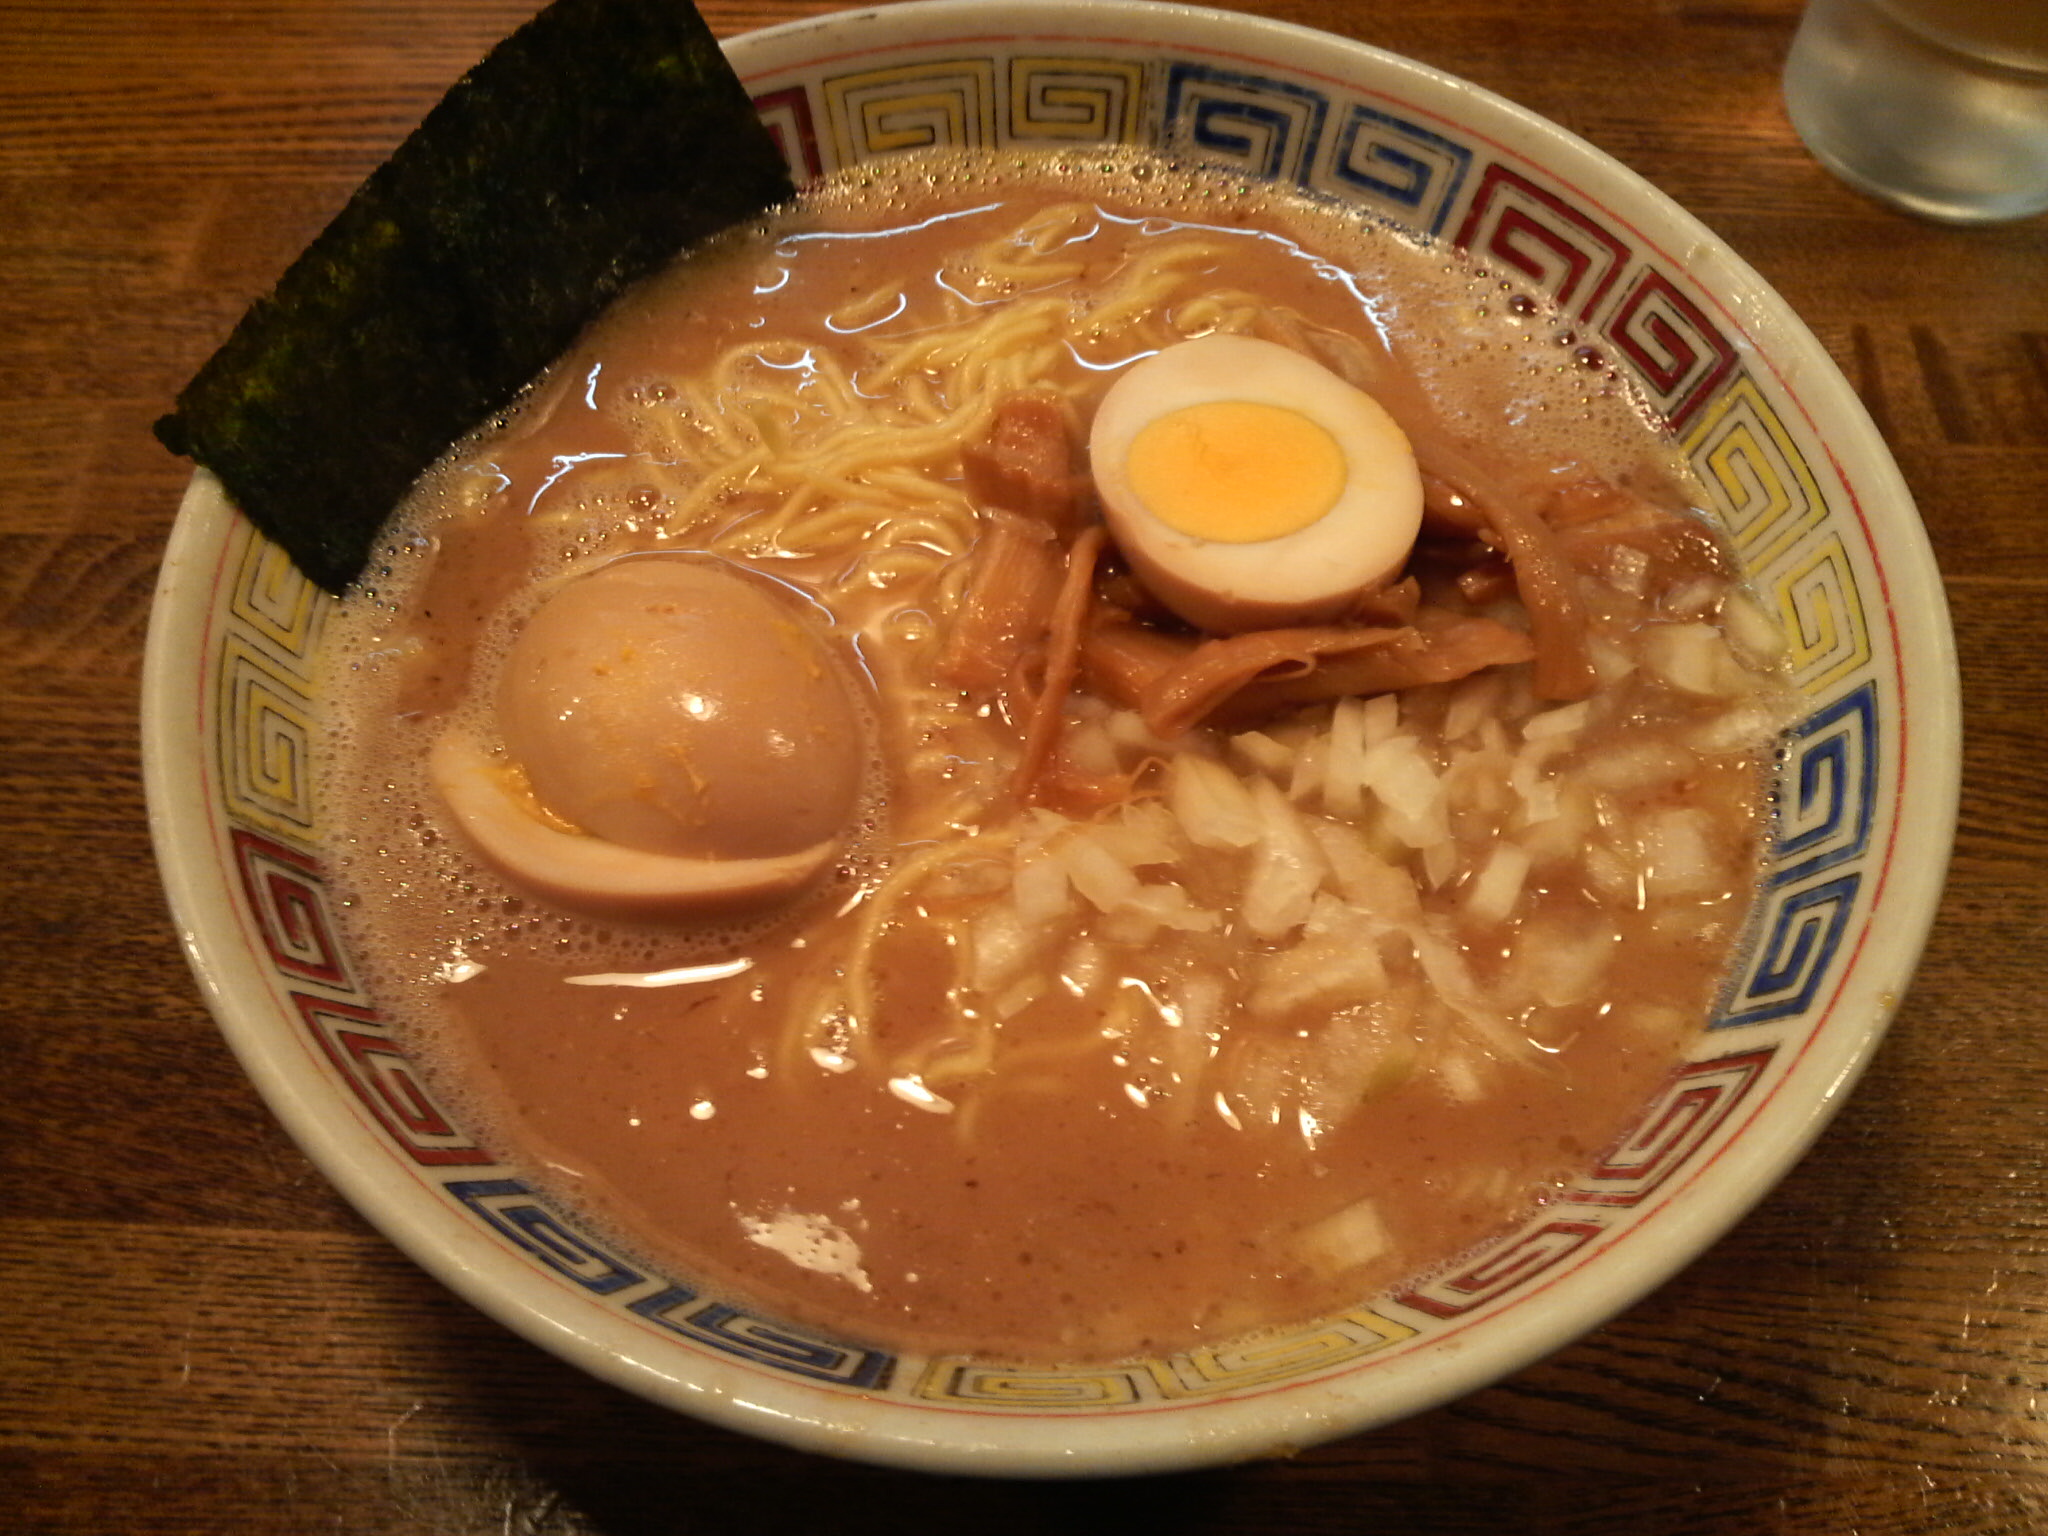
(1794, 468)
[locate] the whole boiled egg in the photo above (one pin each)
(678, 736)
(1251, 488)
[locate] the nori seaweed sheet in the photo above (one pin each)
(588, 149)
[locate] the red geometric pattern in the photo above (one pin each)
(1693, 1103)
(285, 898)
(787, 116)
(1493, 1274)
(1678, 354)
(1556, 245)
(372, 1064)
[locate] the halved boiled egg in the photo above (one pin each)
(1249, 487)
(678, 738)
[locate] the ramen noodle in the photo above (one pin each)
(1115, 992)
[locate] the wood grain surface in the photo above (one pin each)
(197, 1335)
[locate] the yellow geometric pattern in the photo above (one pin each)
(952, 103)
(1818, 603)
(1758, 479)
(1094, 101)
(1260, 1362)
(275, 602)
(954, 1380)
(1773, 509)
(271, 623)
(1263, 1361)
(266, 731)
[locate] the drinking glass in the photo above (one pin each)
(1938, 106)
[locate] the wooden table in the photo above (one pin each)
(196, 1335)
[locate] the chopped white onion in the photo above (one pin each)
(1531, 780)
(1141, 833)
(1565, 720)
(1211, 803)
(1610, 662)
(1678, 853)
(1306, 778)
(1102, 878)
(1492, 896)
(1745, 728)
(1627, 569)
(1361, 876)
(1472, 702)
(1410, 794)
(1286, 867)
(1476, 786)
(1087, 744)
(1611, 875)
(1559, 965)
(1756, 636)
(1328, 970)
(1347, 1240)
(1636, 765)
(1687, 656)
(1382, 717)
(1000, 944)
(1168, 905)
(1562, 836)
(1263, 753)
(1017, 996)
(1440, 864)
(1445, 969)
(1129, 731)
(1460, 1076)
(1038, 888)
(1344, 762)
(1693, 599)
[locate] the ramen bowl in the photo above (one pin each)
(1791, 466)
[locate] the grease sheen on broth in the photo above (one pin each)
(974, 1094)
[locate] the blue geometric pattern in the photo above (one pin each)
(515, 1212)
(1410, 173)
(1831, 788)
(1265, 127)
(1801, 930)
(1826, 803)
(753, 1338)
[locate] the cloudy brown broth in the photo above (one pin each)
(1323, 1001)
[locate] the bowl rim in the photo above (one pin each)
(1185, 1435)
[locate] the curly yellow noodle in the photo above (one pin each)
(1208, 312)
(1056, 225)
(911, 486)
(937, 443)
(969, 349)
(896, 565)
(949, 1061)
(839, 522)
(1138, 294)
(688, 511)
(919, 399)
(864, 310)
(1040, 259)
(851, 998)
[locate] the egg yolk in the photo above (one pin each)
(1236, 471)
